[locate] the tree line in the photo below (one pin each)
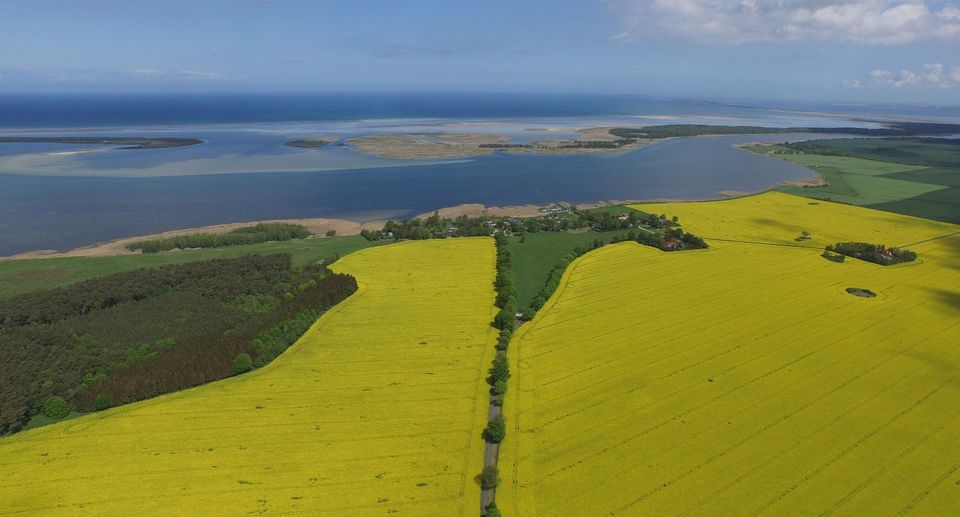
(437, 226)
(876, 253)
(504, 320)
(263, 232)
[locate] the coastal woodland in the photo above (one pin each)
(133, 335)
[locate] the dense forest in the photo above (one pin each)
(133, 335)
(263, 232)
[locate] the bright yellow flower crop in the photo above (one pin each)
(780, 218)
(378, 409)
(743, 379)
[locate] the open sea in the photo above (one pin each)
(59, 196)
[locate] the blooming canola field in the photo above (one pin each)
(378, 409)
(743, 379)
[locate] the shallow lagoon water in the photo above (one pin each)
(55, 196)
(62, 212)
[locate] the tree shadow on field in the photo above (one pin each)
(773, 223)
(950, 298)
(933, 360)
(953, 247)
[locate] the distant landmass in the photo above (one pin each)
(127, 142)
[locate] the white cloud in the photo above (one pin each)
(147, 72)
(882, 22)
(197, 74)
(853, 84)
(933, 75)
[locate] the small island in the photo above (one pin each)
(126, 142)
(312, 143)
(449, 145)
(426, 145)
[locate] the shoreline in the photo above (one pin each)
(344, 227)
(115, 247)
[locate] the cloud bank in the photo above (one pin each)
(876, 22)
(934, 75)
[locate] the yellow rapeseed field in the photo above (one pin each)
(743, 379)
(377, 410)
(781, 218)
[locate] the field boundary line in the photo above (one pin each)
(930, 239)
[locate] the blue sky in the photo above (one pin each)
(865, 50)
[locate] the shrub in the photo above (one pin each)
(836, 257)
(55, 408)
(47, 384)
(331, 233)
(242, 363)
(101, 402)
(490, 477)
(496, 430)
(492, 510)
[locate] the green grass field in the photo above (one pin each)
(533, 259)
(919, 177)
(19, 276)
(857, 181)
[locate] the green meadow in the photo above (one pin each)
(919, 177)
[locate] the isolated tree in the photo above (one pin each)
(331, 233)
